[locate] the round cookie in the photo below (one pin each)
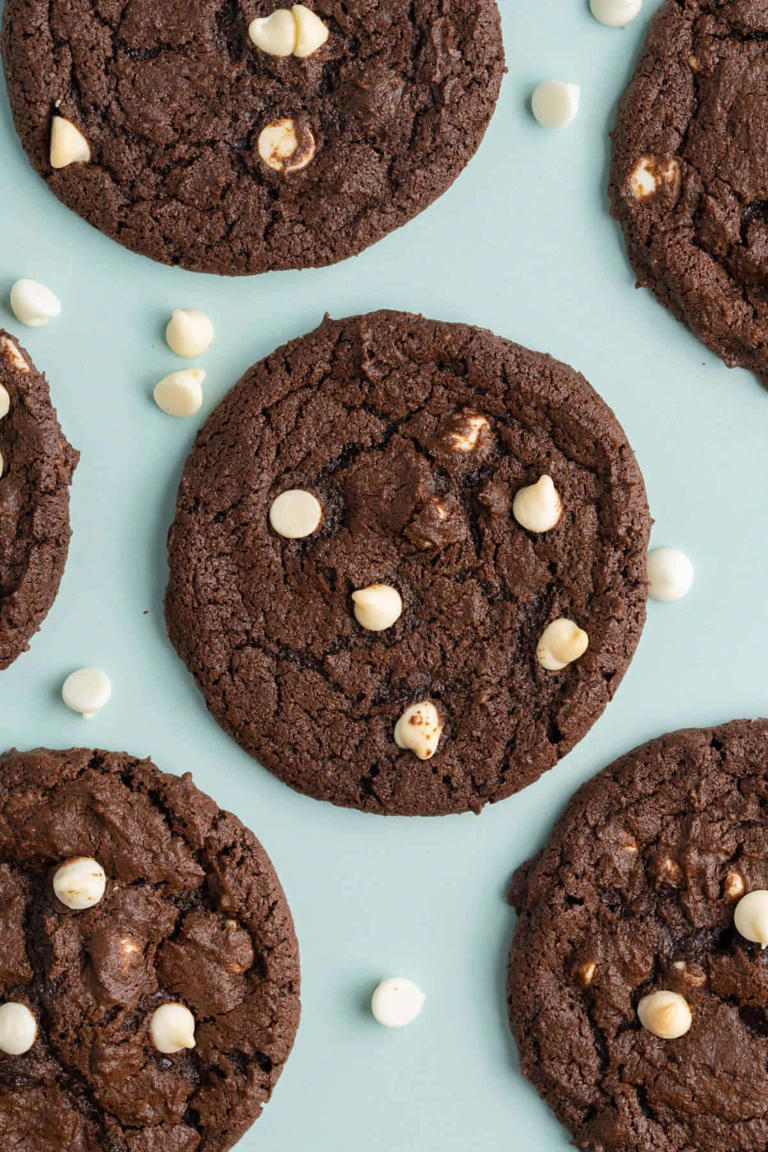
(689, 176)
(192, 914)
(634, 895)
(35, 474)
(410, 440)
(170, 102)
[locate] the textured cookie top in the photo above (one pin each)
(35, 473)
(635, 894)
(407, 441)
(689, 179)
(171, 100)
(192, 913)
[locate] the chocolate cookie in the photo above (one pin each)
(227, 137)
(689, 178)
(149, 972)
(36, 466)
(637, 984)
(408, 563)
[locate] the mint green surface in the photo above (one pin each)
(522, 244)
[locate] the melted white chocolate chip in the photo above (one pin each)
(283, 149)
(419, 729)
(650, 174)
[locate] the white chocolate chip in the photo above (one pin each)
(377, 607)
(281, 149)
(275, 34)
(68, 145)
(396, 1002)
(86, 691)
(12, 354)
(465, 439)
(734, 886)
(311, 33)
(555, 104)
(538, 507)
(189, 332)
(18, 1029)
(172, 1028)
(181, 393)
(665, 1014)
(586, 972)
(615, 13)
(670, 574)
(2, 465)
(419, 729)
(5, 402)
(33, 304)
(750, 917)
(295, 514)
(561, 643)
(649, 174)
(79, 883)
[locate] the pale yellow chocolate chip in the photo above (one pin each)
(172, 1028)
(419, 729)
(295, 514)
(750, 917)
(538, 507)
(79, 883)
(68, 144)
(285, 148)
(665, 1014)
(311, 32)
(561, 643)
(377, 607)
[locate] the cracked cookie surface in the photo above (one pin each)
(689, 176)
(36, 471)
(193, 912)
(376, 416)
(172, 98)
(635, 893)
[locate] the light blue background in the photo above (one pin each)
(522, 244)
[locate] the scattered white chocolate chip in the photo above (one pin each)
(5, 401)
(280, 148)
(648, 174)
(275, 34)
(295, 514)
(79, 883)
(189, 332)
(12, 354)
(311, 32)
(615, 13)
(670, 574)
(377, 607)
(172, 1028)
(181, 393)
(586, 972)
(538, 507)
(86, 691)
(561, 643)
(665, 1014)
(734, 886)
(419, 729)
(33, 304)
(2, 464)
(465, 439)
(68, 145)
(555, 104)
(396, 1002)
(750, 917)
(18, 1029)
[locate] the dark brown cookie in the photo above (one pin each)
(688, 178)
(35, 474)
(172, 99)
(635, 895)
(415, 437)
(192, 914)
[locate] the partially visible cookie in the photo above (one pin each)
(149, 955)
(408, 563)
(35, 473)
(637, 1003)
(689, 178)
(242, 136)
